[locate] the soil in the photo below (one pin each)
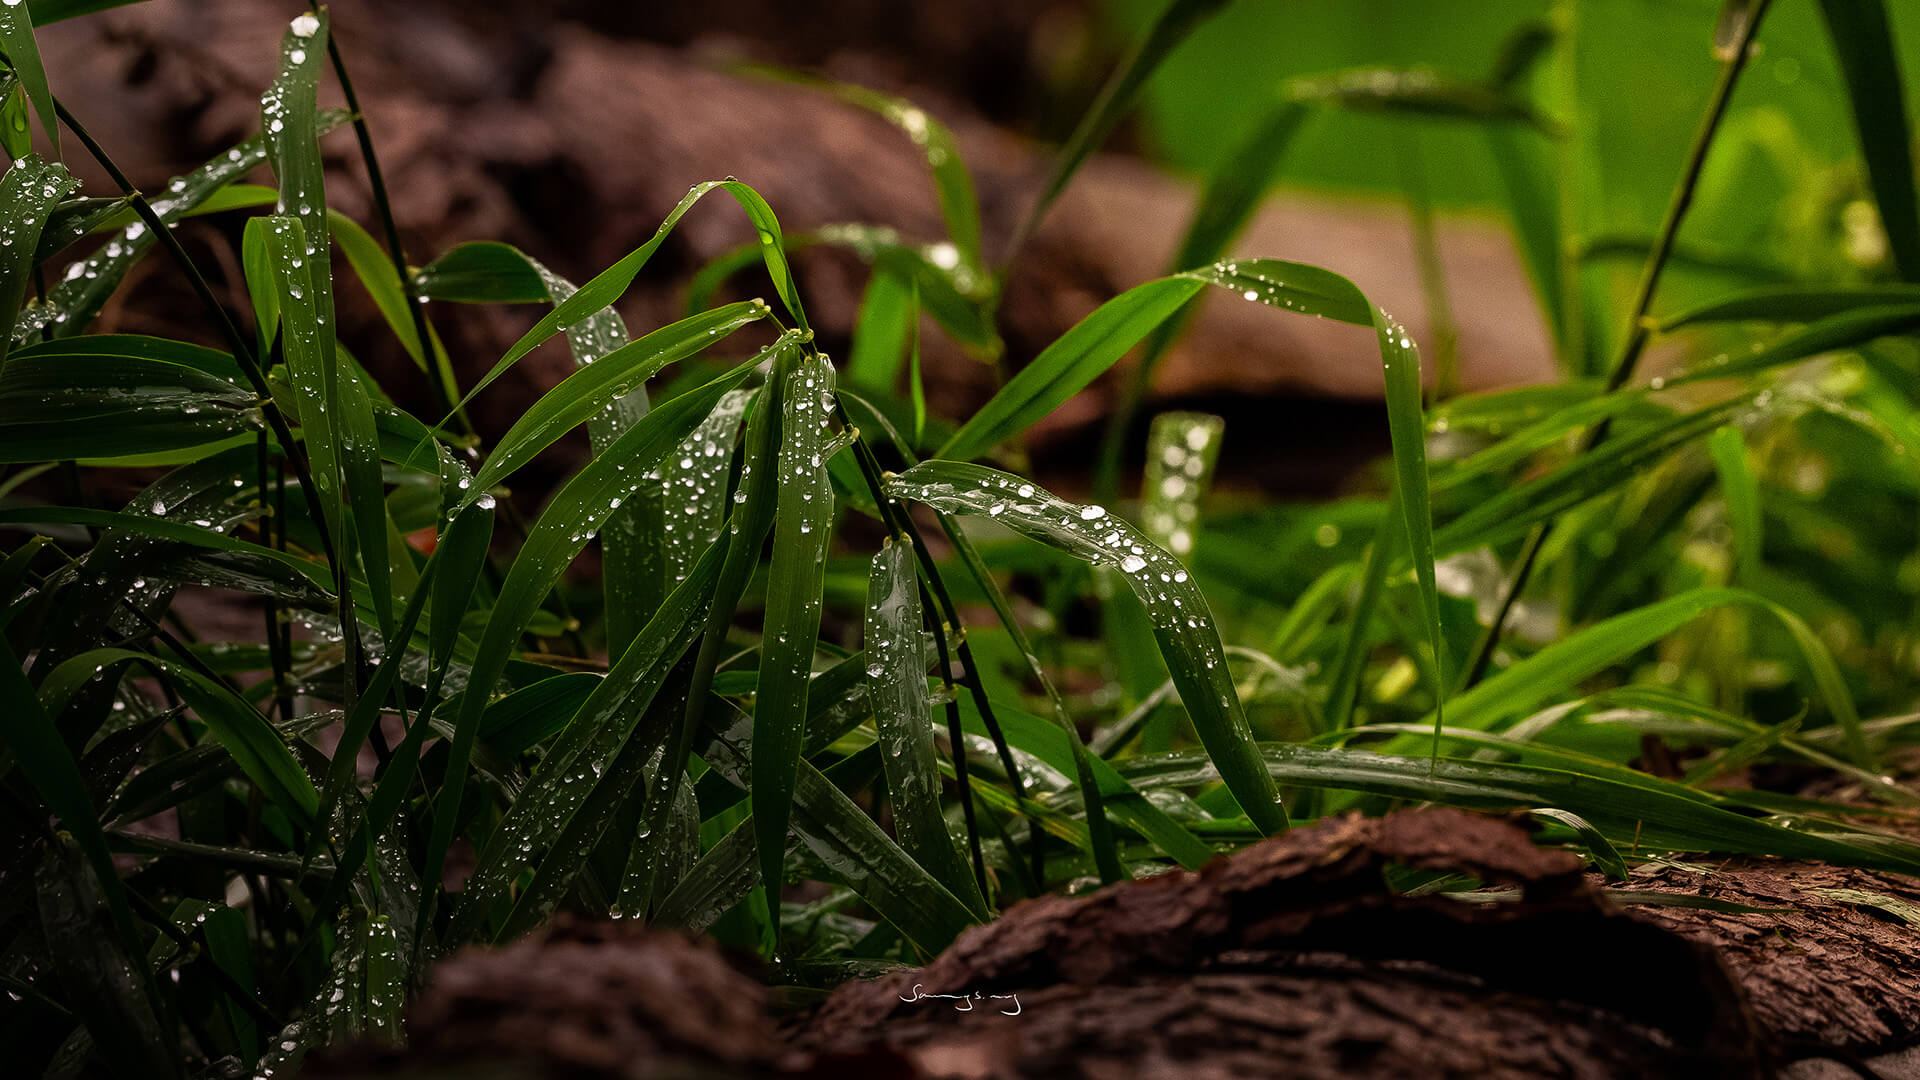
(1291, 958)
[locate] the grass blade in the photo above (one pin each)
(802, 515)
(1742, 493)
(610, 284)
(1846, 330)
(1182, 623)
(23, 54)
(1179, 19)
(576, 512)
(1792, 303)
(592, 387)
(1863, 39)
(896, 676)
(61, 406)
(28, 194)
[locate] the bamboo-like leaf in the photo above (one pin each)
(1863, 38)
(483, 272)
(374, 268)
(335, 410)
(594, 386)
(78, 296)
(28, 194)
(896, 675)
(94, 406)
(159, 528)
(751, 520)
(611, 283)
(23, 55)
(693, 487)
(887, 316)
(1182, 623)
(803, 513)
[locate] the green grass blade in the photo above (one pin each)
(375, 271)
(1793, 303)
(83, 289)
(1510, 513)
(1065, 367)
(887, 315)
(751, 520)
(577, 511)
(896, 675)
(158, 527)
(952, 184)
(693, 486)
(483, 272)
(802, 516)
(95, 406)
(1183, 625)
(855, 849)
(1598, 848)
(1742, 493)
(574, 793)
(23, 54)
(334, 408)
(1179, 19)
(1845, 330)
(28, 194)
(610, 284)
(592, 387)
(1863, 39)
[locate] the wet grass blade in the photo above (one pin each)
(802, 516)
(593, 387)
(1664, 815)
(610, 284)
(335, 410)
(61, 406)
(375, 271)
(896, 675)
(751, 520)
(1182, 623)
(28, 194)
(569, 800)
(1863, 39)
(74, 300)
(853, 848)
(577, 511)
(693, 485)
(23, 54)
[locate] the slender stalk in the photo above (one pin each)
(445, 390)
(242, 350)
(1639, 330)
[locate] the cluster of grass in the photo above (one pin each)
(1713, 572)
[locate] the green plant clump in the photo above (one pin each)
(835, 621)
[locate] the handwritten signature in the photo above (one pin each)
(965, 1001)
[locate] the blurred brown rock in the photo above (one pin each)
(573, 139)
